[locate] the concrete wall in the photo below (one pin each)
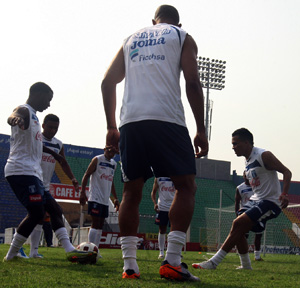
(213, 169)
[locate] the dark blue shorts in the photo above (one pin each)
(260, 212)
(97, 210)
(162, 218)
(29, 190)
(155, 147)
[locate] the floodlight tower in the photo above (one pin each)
(212, 76)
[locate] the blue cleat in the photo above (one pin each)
(22, 254)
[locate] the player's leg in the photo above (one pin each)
(48, 234)
(128, 223)
(35, 237)
(55, 212)
(95, 232)
(257, 246)
(162, 240)
(29, 191)
(240, 226)
(180, 216)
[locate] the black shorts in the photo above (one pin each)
(260, 212)
(97, 210)
(162, 218)
(29, 190)
(155, 147)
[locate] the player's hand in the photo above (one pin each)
(113, 138)
(75, 184)
(82, 199)
(156, 208)
(116, 204)
(283, 198)
(200, 140)
(18, 121)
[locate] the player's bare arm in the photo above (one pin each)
(114, 75)
(67, 169)
(194, 93)
(20, 117)
(114, 194)
(272, 163)
(56, 156)
(153, 195)
(90, 170)
(237, 201)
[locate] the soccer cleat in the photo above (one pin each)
(161, 256)
(259, 259)
(130, 274)
(243, 268)
(179, 273)
(209, 265)
(82, 257)
(22, 254)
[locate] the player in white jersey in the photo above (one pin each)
(153, 136)
(24, 174)
(166, 193)
(50, 127)
(242, 196)
(100, 172)
(265, 204)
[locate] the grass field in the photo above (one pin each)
(55, 271)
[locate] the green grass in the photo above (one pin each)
(55, 271)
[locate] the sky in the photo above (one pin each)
(69, 44)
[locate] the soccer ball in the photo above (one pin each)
(89, 247)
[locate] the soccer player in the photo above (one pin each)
(101, 172)
(153, 135)
(242, 196)
(50, 127)
(166, 193)
(24, 173)
(265, 204)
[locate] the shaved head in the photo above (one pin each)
(167, 13)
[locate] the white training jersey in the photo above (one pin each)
(101, 180)
(152, 71)
(48, 161)
(264, 183)
(26, 148)
(245, 192)
(166, 194)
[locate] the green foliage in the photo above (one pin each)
(55, 271)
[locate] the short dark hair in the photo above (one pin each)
(244, 134)
(51, 117)
(167, 12)
(38, 88)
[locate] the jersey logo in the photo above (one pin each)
(253, 165)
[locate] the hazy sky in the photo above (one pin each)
(69, 44)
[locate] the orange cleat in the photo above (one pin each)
(130, 274)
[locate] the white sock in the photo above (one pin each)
(245, 260)
(218, 257)
(99, 234)
(92, 235)
(176, 240)
(95, 236)
(257, 254)
(35, 237)
(161, 243)
(63, 238)
(15, 245)
(129, 247)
